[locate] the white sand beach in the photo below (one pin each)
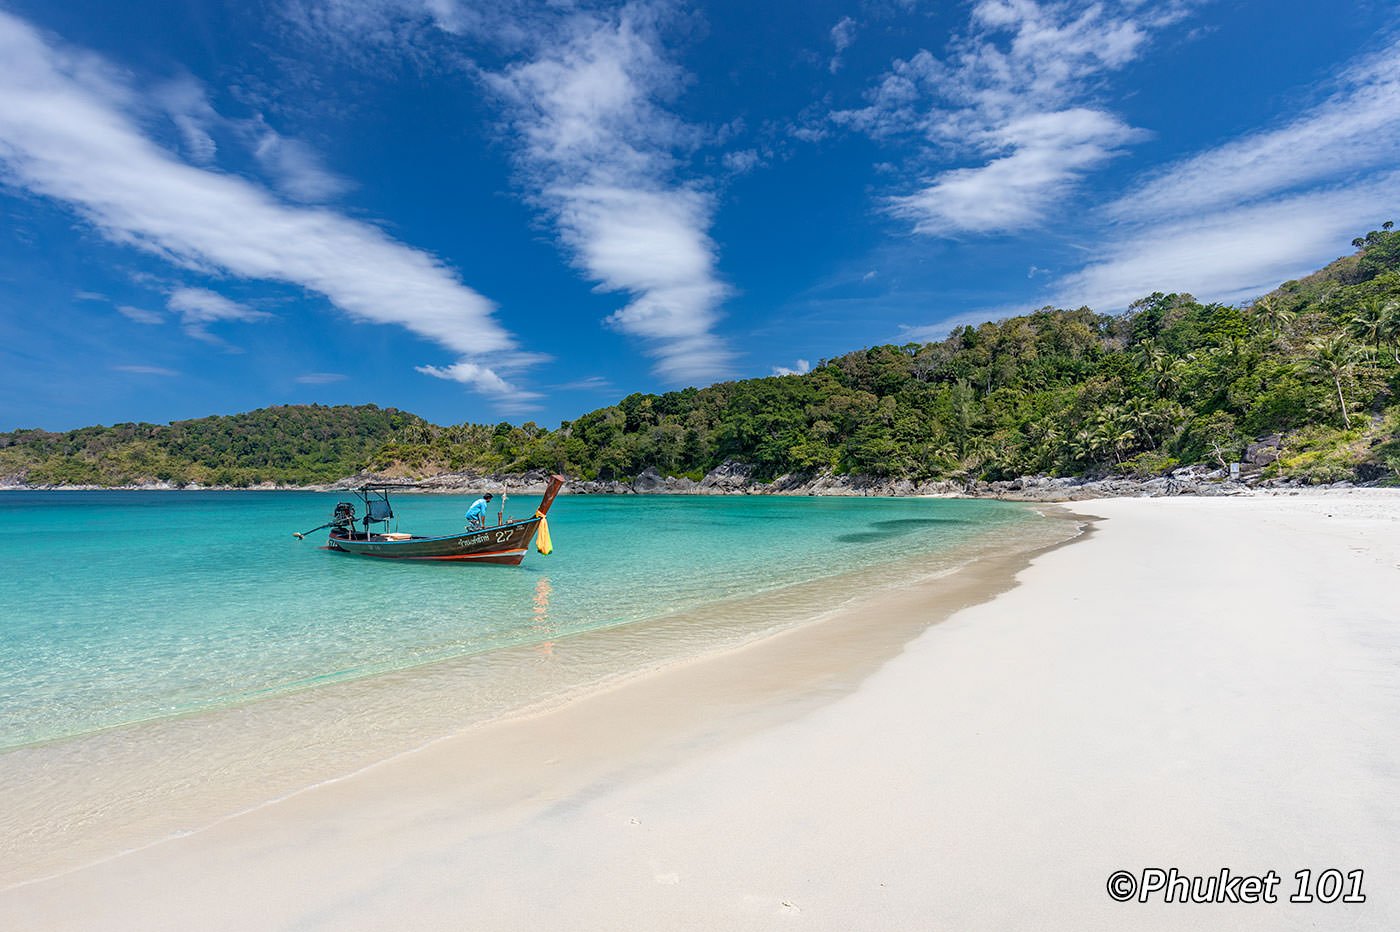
(1202, 684)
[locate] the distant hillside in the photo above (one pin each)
(1312, 370)
(292, 444)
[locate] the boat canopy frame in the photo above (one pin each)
(375, 497)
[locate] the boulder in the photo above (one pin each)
(649, 481)
(1371, 472)
(1263, 451)
(729, 476)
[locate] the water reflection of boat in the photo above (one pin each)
(503, 543)
(544, 628)
(541, 600)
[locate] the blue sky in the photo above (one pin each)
(526, 210)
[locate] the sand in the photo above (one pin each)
(1201, 684)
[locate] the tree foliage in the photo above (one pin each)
(1058, 391)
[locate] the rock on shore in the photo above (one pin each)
(735, 478)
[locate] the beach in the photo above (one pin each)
(1198, 684)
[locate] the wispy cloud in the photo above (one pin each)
(1015, 93)
(842, 35)
(801, 367)
(145, 370)
(405, 26)
(66, 133)
(321, 378)
(1233, 221)
(1354, 129)
(189, 109)
(1047, 154)
(488, 380)
(742, 161)
(140, 315)
(200, 307)
(592, 383)
(295, 168)
(598, 151)
(586, 90)
(1232, 253)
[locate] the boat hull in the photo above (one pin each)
(504, 544)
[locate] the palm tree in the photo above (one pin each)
(1389, 331)
(1368, 320)
(1139, 414)
(1272, 313)
(1113, 432)
(1162, 368)
(1087, 444)
(1334, 358)
(1149, 354)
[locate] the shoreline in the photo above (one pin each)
(1040, 489)
(1199, 683)
(413, 707)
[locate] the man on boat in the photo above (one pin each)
(476, 514)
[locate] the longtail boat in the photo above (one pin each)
(505, 542)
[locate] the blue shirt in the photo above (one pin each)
(477, 512)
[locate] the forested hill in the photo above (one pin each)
(1313, 367)
(293, 443)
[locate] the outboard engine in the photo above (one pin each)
(344, 516)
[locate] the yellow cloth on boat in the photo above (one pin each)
(542, 542)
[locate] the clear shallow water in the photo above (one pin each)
(131, 606)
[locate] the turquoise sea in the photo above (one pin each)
(125, 607)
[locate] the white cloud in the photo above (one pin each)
(801, 367)
(295, 168)
(139, 314)
(808, 133)
(66, 133)
(592, 383)
(404, 26)
(321, 378)
(842, 35)
(1048, 153)
(598, 150)
(1356, 128)
(145, 370)
(897, 105)
(742, 161)
(200, 307)
(468, 373)
(189, 109)
(1235, 253)
(487, 380)
(1230, 223)
(1012, 94)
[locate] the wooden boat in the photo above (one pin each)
(505, 542)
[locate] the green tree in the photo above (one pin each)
(1271, 312)
(1389, 330)
(1367, 321)
(1333, 359)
